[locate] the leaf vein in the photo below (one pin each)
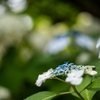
(87, 94)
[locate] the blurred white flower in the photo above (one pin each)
(27, 21)
(90, 70)
(98, 43)
(83, 57)
(17, 5)
(4, 93)
(87, 23)
(12, 30)
(98, 46)
(57, 44)
(85, 42)
(2, 9)
(43, 77)
(75, 77)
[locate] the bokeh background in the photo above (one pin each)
(36, 35)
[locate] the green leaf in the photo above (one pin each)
(97, 67)
(45, 95)
(86, 94)
(95, 86)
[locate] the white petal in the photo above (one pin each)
(93, 72)
(40, 76)
(79, 73)
(77, 81)
(50, 70)
(70, 74)
(38, 82)
(68, 79)
(48, 73)
(43, 77)
(73, 73)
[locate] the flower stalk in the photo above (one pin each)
(66, 93)
(73, 86)
(75, 90)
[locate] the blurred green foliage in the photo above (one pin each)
(57, 10)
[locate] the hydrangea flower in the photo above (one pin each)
(43, 77)
(75, 77)
(61, 42)
(71, 71)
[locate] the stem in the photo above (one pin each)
(75, 90)
(82, 90)
(65, 93)
(62, 80)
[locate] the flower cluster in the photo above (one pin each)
(67, 68)
(73, 72)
